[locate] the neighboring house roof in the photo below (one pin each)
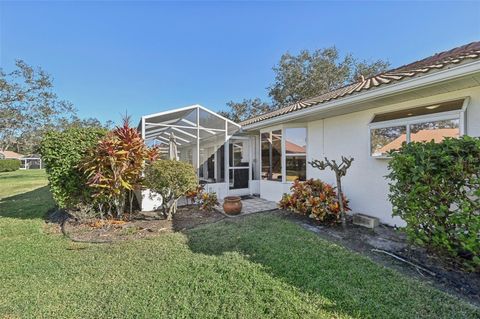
(294, 148)
(10, 154)
(436, 135)
(435, 62)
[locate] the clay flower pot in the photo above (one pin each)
(232, 205)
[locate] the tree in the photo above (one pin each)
(302, 76)
(340, 171)
(172, 180)
(27, 104)
(240, 111)
(308, 74)
(29, 108)
(114, 167)
(76, 122)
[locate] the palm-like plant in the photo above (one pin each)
(114, 167)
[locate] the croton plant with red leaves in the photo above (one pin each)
(114, 168)
(315, 199)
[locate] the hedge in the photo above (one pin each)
(435, 189)
(61, 154)
(9, 165)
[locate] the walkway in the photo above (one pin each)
(253, 204)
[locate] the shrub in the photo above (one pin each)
(61, 152)
(208, 201)
(194, 194)
(198, 196)
(172, 180)
(315, 199)
(113, 168)
(435, 189)
(9, 165)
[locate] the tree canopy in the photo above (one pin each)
(240, 111)
(29, 107)
(305, 75)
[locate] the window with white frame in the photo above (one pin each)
(388, 131)
(295, 153)
(271, 144)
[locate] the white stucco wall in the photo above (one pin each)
(348, 135)
(273, 190)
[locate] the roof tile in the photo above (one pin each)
(417, 68)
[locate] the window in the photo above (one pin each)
(436, 122)
(295, 153)
(272, 155)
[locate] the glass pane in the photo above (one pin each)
(276, 156)
(185, 153)
(265, 150)
(272, 155)
(295, 140)
(387, 139)
(232, 129)
(209, 120)
(422, 110)
(296, 168)
(221, 164)
(435, 130)
(209, 171)
(238, 178)
(238, 153)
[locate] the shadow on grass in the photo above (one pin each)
(356, 286)
(29, 205)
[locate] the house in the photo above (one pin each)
(33, 161)
(10, 155)
(429, 99)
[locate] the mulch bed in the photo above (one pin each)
(439, 271)
(140, 225)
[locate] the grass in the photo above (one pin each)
(13, 183)
(258, 266)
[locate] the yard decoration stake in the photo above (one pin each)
(340, 171)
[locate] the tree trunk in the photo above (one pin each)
(340, 202)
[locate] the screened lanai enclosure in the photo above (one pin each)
(224, 157)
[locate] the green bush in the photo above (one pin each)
(172, 180)
(9, 165)
(435, 189)
(61, 153)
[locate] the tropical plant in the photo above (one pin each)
(62, 152)
(435, 189)
(340, 171)
(208, 201)
(194, 194)
(315, 199)
(172, 180)
(114, 166)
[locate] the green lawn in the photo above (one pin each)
(258, 266)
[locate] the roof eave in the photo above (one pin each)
(427, 79)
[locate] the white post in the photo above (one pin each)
(143, 129)
(226, 151)
(198, 141)
(250, 156)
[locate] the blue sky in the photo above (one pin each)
(145, 57)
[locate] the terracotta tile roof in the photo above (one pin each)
(10, 154)
(435, 62)
(294, 148)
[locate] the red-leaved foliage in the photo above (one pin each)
(315, 199)
(114, 167)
